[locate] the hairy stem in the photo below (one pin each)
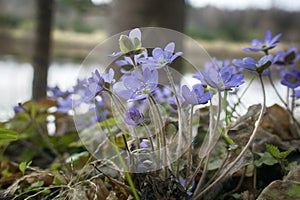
(162, 131)
(189, 163)
(240, 98)
(179, 117)
(122, 162)
(245, 148)
(210, 145)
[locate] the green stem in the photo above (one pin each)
(161, 130)
(122, 162)
(286, 103)
(122, 110)
(202, 157)
(148, 133)
(242, 95)
(287, 98)
(189, 164)
(210, 145)
(258, 122)
(293, 102)
(179, 117)
(225, 102)
(277, 93)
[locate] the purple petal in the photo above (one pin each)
(276, 38)
(268, 35)
(170, 47)
(256, 43)
(249, 49)
(132, 83)
(206, 97)
(177, 54)
(158, 54)
(198, 89)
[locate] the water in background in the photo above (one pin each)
(16, 83)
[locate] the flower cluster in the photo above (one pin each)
(139, 99)
(220, 75)
(285, 61)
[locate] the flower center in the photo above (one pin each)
(145, 91)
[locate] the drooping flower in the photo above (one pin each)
(138, 85)
(133, 117)
(249, 63)
(290, 79)
(197, 95)
(131, 43)
(223, 78)
(100, 112)
(94, 86)
(287, 58)
(269, 43)
(160, 57)
(109, 76)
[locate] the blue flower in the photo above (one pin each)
(223, 78)
(100, 111)
(290, 79)
(161, 95)
(268, 43)
(94, 86)
(109, 76)
(287, 58)
(197, 95)
(145, 144)
(173, 103)
(64, 105)
(137, 85)
(54, 92)
(161, 58)
(18, 109)
(133, 117)
(249, 63)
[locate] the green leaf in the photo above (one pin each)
(56, 181)
(37, 184)
(266, 158)
(23, 166)
(6, 134)
(285, 154)
(275, 152)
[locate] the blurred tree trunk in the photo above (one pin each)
(42, 47)
(128, 14)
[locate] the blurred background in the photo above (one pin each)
(43, 42)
